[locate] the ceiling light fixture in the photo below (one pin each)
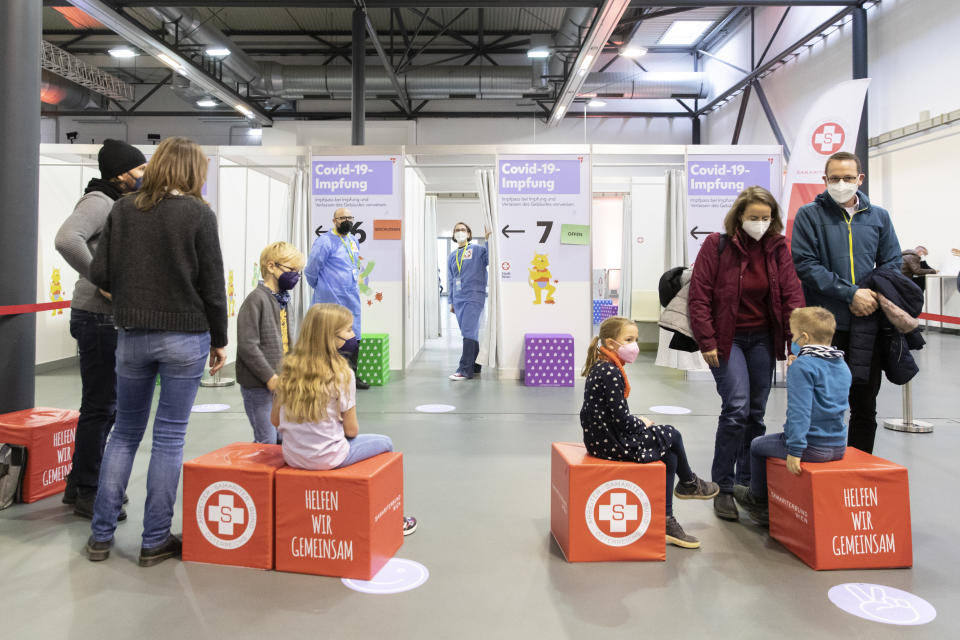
(206, 103)
(684, 32)
(218, 52)
(596, 103)
(538, 53)
(633, 52)
(123, 52)
(170, 62)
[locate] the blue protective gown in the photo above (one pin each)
(334, 273)
(467, 276)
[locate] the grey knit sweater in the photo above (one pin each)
(163, 267)
(259, 342)
(77, 240)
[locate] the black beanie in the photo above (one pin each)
(117, 158)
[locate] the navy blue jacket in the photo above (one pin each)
(820, 243)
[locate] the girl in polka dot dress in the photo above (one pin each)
(611, 432)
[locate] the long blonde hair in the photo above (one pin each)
(178, 163)
(609, 329)
(313, 371)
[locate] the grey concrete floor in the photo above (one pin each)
(478, 481)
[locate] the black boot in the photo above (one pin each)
(353, 365)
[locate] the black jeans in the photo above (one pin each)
(863, 398)
(97, 344)
(677, 466)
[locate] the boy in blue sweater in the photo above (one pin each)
(818, 384)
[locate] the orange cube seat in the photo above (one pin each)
(344, 522)
(48, 435)
(228, 505)
(852, 513)
(602, 510)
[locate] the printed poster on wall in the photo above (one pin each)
(713, 184)
(369, 186)
(544, 209)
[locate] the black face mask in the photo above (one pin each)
(344, 227)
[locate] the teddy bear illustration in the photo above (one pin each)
(539, 278)
(56, 291)
(231, 295)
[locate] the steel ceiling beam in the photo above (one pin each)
(143, 39)
(385, 59)
(345, 115)
(604, 23)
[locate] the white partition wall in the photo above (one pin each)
(414, 194)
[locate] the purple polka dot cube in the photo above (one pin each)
(549, 360)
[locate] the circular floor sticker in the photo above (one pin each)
(669, 410)
(209, 408)
(882, 604)
(397, 576)
(435, 408)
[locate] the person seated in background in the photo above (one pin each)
(915, 266)
(265, 332)
(818, 384)
(611, 432)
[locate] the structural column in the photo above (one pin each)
(358, 55)
(695, 130)
(20, 28)
(860, 71)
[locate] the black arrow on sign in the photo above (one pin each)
(320, 230)
(695, 233)
(506, 230)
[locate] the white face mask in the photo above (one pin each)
(842, 192)
(460, 236)
(756, 228)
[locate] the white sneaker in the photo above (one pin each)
(456, 377)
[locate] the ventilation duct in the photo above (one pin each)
(288, 81)
(62, 93)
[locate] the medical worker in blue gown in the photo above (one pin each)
(333, 270)
(467, 278)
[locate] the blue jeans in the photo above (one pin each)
(366, 445)
(743, 382)
(258, 402)
(775, 446)
(97, 346)
(141, 354)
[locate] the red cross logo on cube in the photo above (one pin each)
(618, 513)
(828, 138)
(225, 514)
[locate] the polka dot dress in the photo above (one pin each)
(610, 431)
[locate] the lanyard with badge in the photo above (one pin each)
(459, 259)
(354, 259)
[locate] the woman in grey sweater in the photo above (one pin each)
(91, 318)
(159, 256)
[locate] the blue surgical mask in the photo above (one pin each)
(137, 182)
(795, 348)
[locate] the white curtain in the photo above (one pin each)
(491, 334)
(301, 234)
(675, 256)
(431, 282)
(626, 259)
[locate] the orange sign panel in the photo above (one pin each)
(848, 514)
(386, 229)
(603, 510)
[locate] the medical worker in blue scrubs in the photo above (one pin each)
(333, 270)
(467, 278)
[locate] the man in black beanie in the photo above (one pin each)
(91, 317)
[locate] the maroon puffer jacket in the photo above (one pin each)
(715, 292)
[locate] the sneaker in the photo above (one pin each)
(677, 536)
(457, 377)
(98, 551)
(409, 525)
(83, 507)
(725, 508)
(696, 489)
(155, 555)
(362, 385)
(757, 508)
(70, 493)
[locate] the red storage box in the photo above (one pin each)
(848, 514)
(343, 522)
(228, 504)
(48, 434)
(603, 510)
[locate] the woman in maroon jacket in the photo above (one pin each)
(743, 290)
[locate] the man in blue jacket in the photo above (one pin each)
(838, 238)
